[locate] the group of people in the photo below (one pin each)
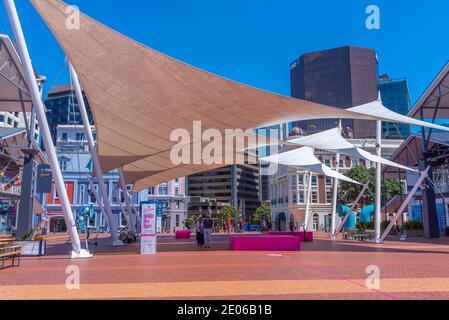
(203, 228)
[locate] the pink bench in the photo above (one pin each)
(182, 234)
(307, 237)
(265, 243)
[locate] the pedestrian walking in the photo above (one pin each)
(199, 232)
(208, 224)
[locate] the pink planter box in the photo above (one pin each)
(182, 234)
(300, 234)
(265, 243)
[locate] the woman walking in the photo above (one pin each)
(199, 232)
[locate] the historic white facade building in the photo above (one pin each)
(288, 188)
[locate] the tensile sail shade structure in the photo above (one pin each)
(11, 79)
(305, 158)
(375, 108)
(139, 96)
(332, 140)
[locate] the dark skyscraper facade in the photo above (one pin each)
(342, 77)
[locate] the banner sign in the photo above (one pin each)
(44, 179)
(148, 235)
(159, 206)
(159, 213)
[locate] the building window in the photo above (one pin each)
(151, 191)
(123, 221)
(63, 162)
(301, 197)
(328, 181)
(102, 221)
(163, 189)
(327, 162)
(329, 196)
(314, 196)
(82, 193)
(316, 222)
(294, 198)
(177, 220)
(293, 182)
(80, 137)
(56, 191)
(64, 136)
(92, 199)
(176, 191)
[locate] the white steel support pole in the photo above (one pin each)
(128, 201)
(335, 198)
(45, 130)
(308, 200)
(91, 142)
(335, 193)
(378, 200)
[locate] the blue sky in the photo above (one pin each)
(254, 41)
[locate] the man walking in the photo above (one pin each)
(208, 225)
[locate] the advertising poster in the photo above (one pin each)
(148, 237)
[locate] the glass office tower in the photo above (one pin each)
(396, 97)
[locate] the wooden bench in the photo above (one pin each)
(363, 235)
(349, 233)
(12, 253)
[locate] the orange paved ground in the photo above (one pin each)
(416, 269)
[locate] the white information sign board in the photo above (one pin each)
(148, 235)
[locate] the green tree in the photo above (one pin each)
(228, 213)
(262, 211)
(349, 191)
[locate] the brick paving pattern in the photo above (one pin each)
(325, 269)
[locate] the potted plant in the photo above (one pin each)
(413, 229)
(32, 245)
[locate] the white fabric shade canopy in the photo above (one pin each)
(304, 158)
(332, 140)
(139, 96)
(376, 108)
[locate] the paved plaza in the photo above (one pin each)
(415, 269)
